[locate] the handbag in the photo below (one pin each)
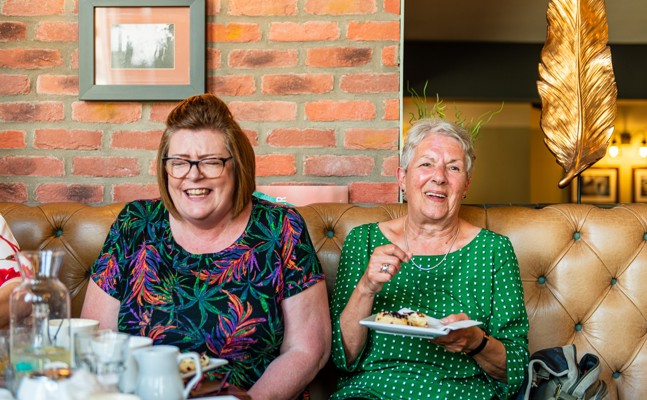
(555, 374)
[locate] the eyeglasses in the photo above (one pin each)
(209, 167)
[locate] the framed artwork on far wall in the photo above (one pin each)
(639, 185)
(141, 50)
(599, 185)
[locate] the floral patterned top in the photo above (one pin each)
(481, 279)
(8, 248)
(227, 304)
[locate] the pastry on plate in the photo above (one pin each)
(188, 365)
(417, 319)
(413, 318)
(391, 317)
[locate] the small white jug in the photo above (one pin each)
(128, 379)
(159, 373)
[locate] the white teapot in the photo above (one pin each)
(159, 373)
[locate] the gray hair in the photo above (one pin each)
(437, 126)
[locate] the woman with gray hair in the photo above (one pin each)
(436, 263)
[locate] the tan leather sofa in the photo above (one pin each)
(584, 269)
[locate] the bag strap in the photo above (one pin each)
(554, 361)
(590, 369)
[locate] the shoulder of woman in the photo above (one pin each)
(364, 228)
(494, 236)
(142, 204)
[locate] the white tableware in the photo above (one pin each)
(59, 385)
(59, 335)
(115, 396)
(432, 330)
(159, 373)
(225, 397)
(103, 353)
(213, 364)
(110, 347)
(129, 376)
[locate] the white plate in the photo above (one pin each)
(213, 364)
(433, 329)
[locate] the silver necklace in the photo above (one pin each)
(406, 244)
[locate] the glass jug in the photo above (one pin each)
(39, 311)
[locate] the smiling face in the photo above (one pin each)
(199, 200)
(436, 179)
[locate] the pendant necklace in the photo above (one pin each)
(406, 244)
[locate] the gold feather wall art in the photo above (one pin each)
(576, 85)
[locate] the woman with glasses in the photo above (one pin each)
(212, 269)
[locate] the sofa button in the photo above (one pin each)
(614, 281)
(58, 233)
(541, 280)
(616, 375)
(578, 327)
(330, 234)
(577, 236)
(644, 236)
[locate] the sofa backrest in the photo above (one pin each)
(584, 268)
(77, 229)
(584, 272)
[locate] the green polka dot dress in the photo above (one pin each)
(481, 279)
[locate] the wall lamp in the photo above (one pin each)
(613, 149)
(625, 138)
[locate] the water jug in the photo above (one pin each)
(39, 299)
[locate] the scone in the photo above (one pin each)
(204, 360)
(391, 317)
(414, 318)
(188, 365)
(417, 319)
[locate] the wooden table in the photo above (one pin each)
(236, 392)
(207, 388)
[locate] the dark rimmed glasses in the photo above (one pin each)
(179, 168)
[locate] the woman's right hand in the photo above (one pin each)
(385, 262)
(360, 303)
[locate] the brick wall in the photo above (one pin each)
(314, 83)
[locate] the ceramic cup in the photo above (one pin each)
(59, 333)
(128, 379)
(115, 396)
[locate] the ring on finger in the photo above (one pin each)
(385, 268)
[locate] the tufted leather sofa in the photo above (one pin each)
(584, 269)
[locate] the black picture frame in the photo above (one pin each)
(599, 186)
(639, 184)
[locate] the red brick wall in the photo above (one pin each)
(314, 83)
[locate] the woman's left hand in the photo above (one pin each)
(460, 340)
(491, 358)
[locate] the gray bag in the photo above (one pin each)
(555, 374)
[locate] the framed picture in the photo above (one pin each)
(598, 185)
(141, 50)
(639, 185)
